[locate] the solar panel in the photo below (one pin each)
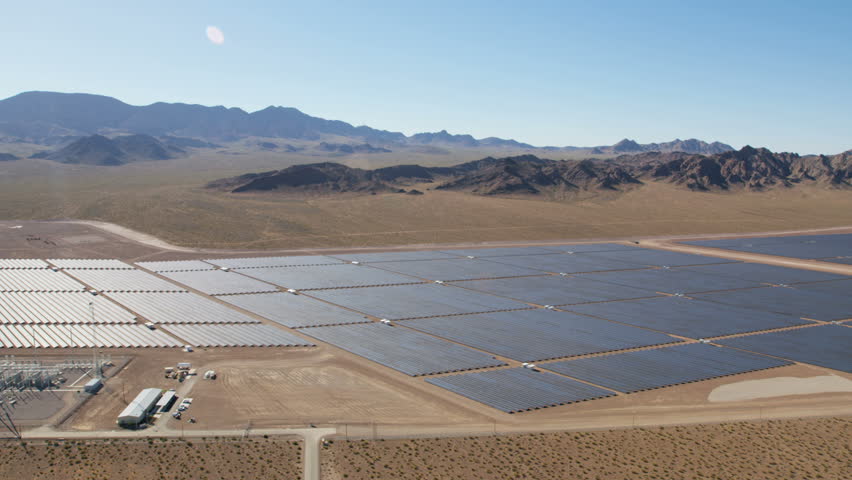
(376, 257)
(671, 280)
(790, 301)
(498, 252)
(83, 336)
(659, 258)
(241, 335)
(836, 288)
(646, 369)
(688, 318)
(844, 260)
(591, 247)
(534, 335)
(176, 266)
(89, 263)
(757, 272)
(42, 280)
(258, 262)
(179, 308)
(294, 310)
(104, 280)
(401, 349)
(457, 269)
(801, 246)
(22, 263)
(219, 282)
(415, 301)
(519, 389)
(60, 307)
(824, 345)
(563, 263)
(328, 276)
(555, 290)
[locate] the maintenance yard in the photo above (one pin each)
(507, 337)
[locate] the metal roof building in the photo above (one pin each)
(139, 408)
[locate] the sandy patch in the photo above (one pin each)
(779, 387)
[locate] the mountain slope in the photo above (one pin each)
(100, 150)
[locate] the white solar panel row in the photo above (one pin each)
(89, 263)
(124, 281)
(22, 263)
(179, 308)
(243, 335)
(258, 262)
(87, 336)
(37, 281)
(219, 282)
(59, 307)
(176, 266)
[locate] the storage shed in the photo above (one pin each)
(166, 401)
(93, 385)
(139, 408)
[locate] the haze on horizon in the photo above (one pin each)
(555, 73)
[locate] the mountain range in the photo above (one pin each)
(748, 168)
(57, 119)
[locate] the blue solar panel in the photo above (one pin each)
(415, 301)
(802, 246)
(836, 288)
(828, 346)
(377, 257)
(659, 258)
(646, 369)
(564, 263)
(844, 260)
(519, 389)
(757, 272)
(555, 290)
(591, 247)
(498, 252)
(688, 318)
(327, 276)
(533, 335)
(790, 301)
(457, 269)
(671, 280)
(401, 349)
(294, 310)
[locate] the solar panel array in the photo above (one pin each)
(564, 263)
(65, 307)
(22, 263)
(313, 277)
(378, 257)
(534, 335)
(646, 369)
(37, 281)
(671, 280)
(179, 308)
(260, 262)
(124, 281)
(294, 310)
(800, 246)
(219, 282)
(176, 266)
(845, 260)
(456, 269)
(415, 301)
(242, 335)
(773, 274)
(84, 336)
(688, 318)
(824, 345)
(401, 349)
(837, 288)
(89, 263)
(789, 301)
(591, 247)
(498, 252)
(519, 389)
(659, 258)
(555, 289)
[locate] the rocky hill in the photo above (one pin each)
(100, 150)
(691, 145)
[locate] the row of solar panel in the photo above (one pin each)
(803, 246)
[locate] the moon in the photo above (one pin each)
(215, 35)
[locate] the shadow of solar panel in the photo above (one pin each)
(519, 389)
(688, 318)
(498, 252)
(555, 290)
(457, 269)
(659, 258)
(823, 345)
(414, 301)
(219, 282)
(258, 262)
(378, 257)
(773, 274)
(294, 310)
(646, 369)
(534, 335)
(327, 276)
(240, 335)
(789, 301)
(401, 349)
(564, 263)
(591, 247)
(671, 280)
(836, 288)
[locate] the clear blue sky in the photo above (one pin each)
(773, 73)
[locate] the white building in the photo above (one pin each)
(139, 408)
